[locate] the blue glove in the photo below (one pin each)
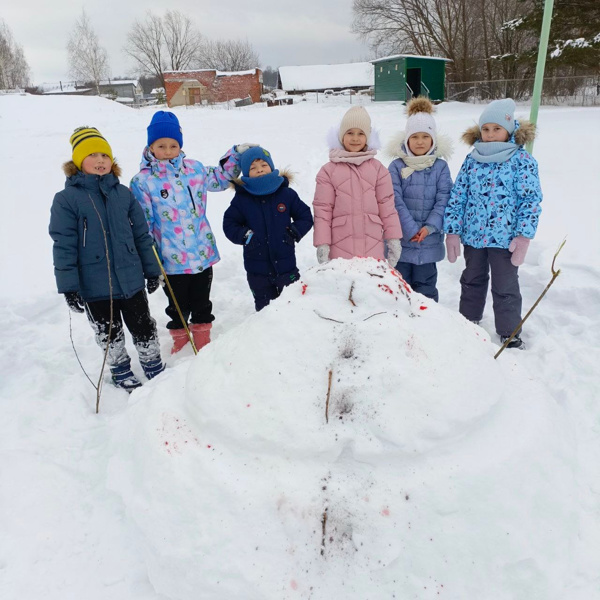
(248, 236)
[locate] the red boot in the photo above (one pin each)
(201, 333)
(180, 339)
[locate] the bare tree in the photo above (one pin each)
(88, 61)
(469, 32)
(14, 70)
(229, 55)
(159, 44)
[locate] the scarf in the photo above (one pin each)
(416, 163)
(493, 152)
(355, 158)
(261, 186)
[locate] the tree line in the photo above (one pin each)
(157, 44)
(14, 70)
(484, 39)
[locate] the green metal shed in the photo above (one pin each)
(402, 76)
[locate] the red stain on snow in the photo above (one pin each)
(304, 286)
(385, 512)
(385, 288)
(422, 308)
(293, 585)
(208, 446)
(247, 406)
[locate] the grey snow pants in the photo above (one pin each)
(506, 295)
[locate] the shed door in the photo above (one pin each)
(413, 80)
(195, 95)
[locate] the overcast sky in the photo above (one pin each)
(286, 32)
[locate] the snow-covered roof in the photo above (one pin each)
(231, 73)
(219, 73)
(320, 77)
(120, 82)
(393, 56)
(158, 90)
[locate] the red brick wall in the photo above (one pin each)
(238, 86)
(222, 88)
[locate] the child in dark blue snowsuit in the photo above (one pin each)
(268, 218)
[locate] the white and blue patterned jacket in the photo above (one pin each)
(492, 203)
(173, 196)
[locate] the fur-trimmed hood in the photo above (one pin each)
(524, 133)
(394, 148)
(286, 173)
(70, 168)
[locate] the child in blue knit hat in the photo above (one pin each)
(268, 219)
(172, 191)
(494, 209)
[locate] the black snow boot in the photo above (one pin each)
(123, 377)
(516, 342)
(153, 367)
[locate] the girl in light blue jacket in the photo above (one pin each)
(422, 184)
(494, 210)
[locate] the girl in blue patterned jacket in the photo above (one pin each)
(494, 209)
(172, 191)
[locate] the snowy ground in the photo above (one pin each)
(444, 473)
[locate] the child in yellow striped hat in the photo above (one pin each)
(103, 255)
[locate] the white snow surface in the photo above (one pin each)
(320, 77)
(443, 473)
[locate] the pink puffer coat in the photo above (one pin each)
(354, 206)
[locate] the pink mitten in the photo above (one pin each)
(453, 246)
(518, 247)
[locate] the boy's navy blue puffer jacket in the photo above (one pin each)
(278, 221)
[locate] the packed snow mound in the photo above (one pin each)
(353, 440)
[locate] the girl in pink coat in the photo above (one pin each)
(354, 198)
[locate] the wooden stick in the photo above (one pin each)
(555, 274)
(328, 394)
(323, 531)
(174, 300)
(350, 295)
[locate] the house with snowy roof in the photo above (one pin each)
(202, 86)
(318, 78)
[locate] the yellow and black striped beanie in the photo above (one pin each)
(86, 141)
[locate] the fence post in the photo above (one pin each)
(541, 65)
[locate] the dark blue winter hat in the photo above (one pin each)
(164, 125)
(252, 154)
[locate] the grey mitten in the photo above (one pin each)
(394, 249)
(323, 253)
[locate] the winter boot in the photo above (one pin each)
(180, 339)
(153, 367)
(123, 377)
(201, 333)
(516, 342)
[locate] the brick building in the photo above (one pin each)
(184, 88)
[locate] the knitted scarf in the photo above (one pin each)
(493, 152)
(263, 185)
(355, 158)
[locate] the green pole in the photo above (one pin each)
(541, 65)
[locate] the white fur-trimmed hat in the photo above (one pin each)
(420, 118)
